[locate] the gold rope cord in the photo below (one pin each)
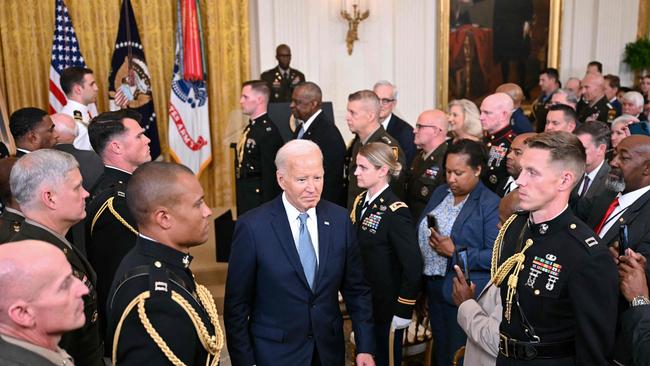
(109, 204)
(212, 343)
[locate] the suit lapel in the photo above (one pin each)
(324, 231)
(280, 224)
(599, 179)
(626, 218)
(468, 209)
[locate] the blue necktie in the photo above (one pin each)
(306, 251)
(301, 132)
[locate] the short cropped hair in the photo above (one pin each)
(73, 76)
(369, 99)
(25, 120)
(613, 80)
(295, 148)
(600, 132)
(108, 125)
(259, 86)
(311, 90)
(153, 184)
(633, 97)
(564, 147)
(598, 65)
(570, 96)
(569, 114)
(380, 154)
(40, 167)
(475, 151)
(553, 74)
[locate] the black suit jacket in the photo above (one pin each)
(90, 164)
(596, 188)
(14, 355)
(403, 133)
(327, 136)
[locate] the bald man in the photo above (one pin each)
(594, 105)
(90, 164)
(41, 300)
(519, 122)
(496, 110)
(426, 172)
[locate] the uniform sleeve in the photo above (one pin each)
(405, 243)
(240, 285)
(272, 143)
(593, 290)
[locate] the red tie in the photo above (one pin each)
(610, 209)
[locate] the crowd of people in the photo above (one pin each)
(522, 238)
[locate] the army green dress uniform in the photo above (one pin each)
(111, 232)
(281, 85)
(424, 176)
(256, 181)
(85, 344)
(498, 145)
(559, 290)
(601, 111)
(392, 263)
(396, 184)
(10, 223)
(158, 315)
(540, 110)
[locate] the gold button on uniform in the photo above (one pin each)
(157, 264)
(536, 292)
(573, 226)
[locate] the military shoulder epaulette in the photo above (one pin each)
(397, 205)
(584, 234)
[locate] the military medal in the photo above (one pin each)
(493, 179)
(186, 260)
(543, 228)
(424, 191)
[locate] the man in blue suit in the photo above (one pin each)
(289, 259)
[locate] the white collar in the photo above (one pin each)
(116, 168)
(23, 150)
(311, 119)
(370, 199)
(386, 121)
(293, 212)
(629, 198)
(594, 172)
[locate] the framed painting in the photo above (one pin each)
(485, 43)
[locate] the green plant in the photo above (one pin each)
(637, 54)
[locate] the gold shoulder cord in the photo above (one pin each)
(109, 204)
(516, 262)
(353, 213)
(211, 343)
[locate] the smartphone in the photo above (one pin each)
(432, 223)
(623, 243)
(639, 128)
(463, 262)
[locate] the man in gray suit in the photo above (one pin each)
(595, 137)
(35, 313)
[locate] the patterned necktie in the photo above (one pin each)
(585, 186)
(306, 251)
(610, 210)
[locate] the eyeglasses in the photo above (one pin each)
(418, 126)
(386, 100)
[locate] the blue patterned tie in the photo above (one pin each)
(306, 251)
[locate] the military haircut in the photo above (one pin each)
(72, 76)
(259, 86)
(600, 132)
(369, 99)
(598, 65)
(569, 114)
(154, 184)
(24, 120)
(613, 80)
(551, 73)
(311, 90)
(107, 125)
(565, 150)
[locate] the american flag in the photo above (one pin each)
(65, 53)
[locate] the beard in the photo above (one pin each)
(615, 181)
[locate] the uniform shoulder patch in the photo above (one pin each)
(397, 205)
(584, 234)
(386, 140)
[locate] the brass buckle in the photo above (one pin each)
(504, 349)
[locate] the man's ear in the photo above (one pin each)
(567, 180)
(22, 314)
(48, 198)
(162, 218)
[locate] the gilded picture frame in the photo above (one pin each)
(444, 31)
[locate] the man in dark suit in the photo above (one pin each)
(32, 129)
(36, 313)
(47, 185)
(289, 259)
(595, 137)
(282, 79)
(395, 126)
(11, 219)
(306, 107)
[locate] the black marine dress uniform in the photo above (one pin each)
(282, 86)
(85, 344)
(498, 145)
(424, 176)
(380, 135)
(601, 111)
(256, 181)
(155, 304)
(10, 223)
(559, 291)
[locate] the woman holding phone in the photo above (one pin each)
(462, 213)
(391, 258)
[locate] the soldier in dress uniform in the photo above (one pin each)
(559, 285)
(11, 219)
(282, 79)
(594, 105)
(495, 119)
(549, 83)
(47, 185)
(157, 313)
(32, 129)
(363, 120)
(256, 149)
(426, 170)
(80, 90)
(389, 247)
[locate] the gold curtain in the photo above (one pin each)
(26, 29)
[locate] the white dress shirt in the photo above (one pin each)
(385, 122)
(307, 123)
(82, 141)
(294, 224)
(624, 202)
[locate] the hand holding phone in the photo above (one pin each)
(463, 262)
(623, 241)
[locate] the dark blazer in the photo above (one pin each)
(13, 355)
(596, 188)
(91, 166)
(403, 133)
(327, 136)
(634, 336)
(475, 228)
(519, 122)
(272, 316)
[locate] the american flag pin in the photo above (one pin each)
(326, 223)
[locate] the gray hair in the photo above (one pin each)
(41, 167)
(634, 97)
(624, 118)
(387, 83)
(295, 148)
(570, 96)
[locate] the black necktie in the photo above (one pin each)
(585, 186)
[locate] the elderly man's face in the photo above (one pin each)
(59, 307)
(70, 198)
(630, 108)
(302, 180)
(302, 106)
(592, 88)
(630, 164)
(386, 100)
(493, 116)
